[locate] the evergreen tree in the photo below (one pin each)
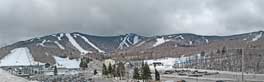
(224, 50)
(136, 74)
(114, 71)
(121, 70)
(157, 75)
(55, 70)
(110, 69)
(105, 71)
(84, 63)
(95, 72)
(146, 73)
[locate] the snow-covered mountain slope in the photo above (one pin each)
(74, 45)
(18, 57)
(67, 45)
(129, 40)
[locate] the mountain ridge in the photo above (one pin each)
(74, 45)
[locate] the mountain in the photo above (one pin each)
(176, 45)
(71, 46)
(65, 45)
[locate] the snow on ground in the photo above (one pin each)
(7, 77)
(136, 40)
(180, 36)
(190, 42)
(66, 62)
(121, 45)
(91, 44)
(18, 56)
(160, 41)
(141, 43)
(42, 43)
(61, 35)
(167, 63)
(206, 40)
(257, 37)
(76, 45)
(59, 45)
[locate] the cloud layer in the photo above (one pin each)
(23, 19)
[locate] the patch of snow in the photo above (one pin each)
(91, 44)
(160, 41)
(66, 62)
(206, 40)
(257, 37)
(54, 35)
(121, 45)
(176, 45)
(136, 40)
(141, 43)
(59, 45)
(42, 43)
(167, 63)
(190, 42)
(76, 45)
(61, 35)
(18, 57)
(245, 39)
(7, 77)
(47, 54)
(180, 36)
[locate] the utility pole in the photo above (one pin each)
(242, 65)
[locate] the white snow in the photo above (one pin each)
(160, 41)
(91, 44)
(136, 40)
(76, 45)
(42, 43)
(59, 45)
(7, 77)
(126, 39)
(245, 39)
(206, 40)
(190, 42)
(61, 35)
(17, 57)
(121, 45)
(141, 43)
(180, 36)
(167, 63)
(257, 37)
(66, 62)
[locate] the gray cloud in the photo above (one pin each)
(24, 19)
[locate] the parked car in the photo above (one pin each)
(220, 81)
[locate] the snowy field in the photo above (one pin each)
(223, 75)
(17, 57)
(6, 77)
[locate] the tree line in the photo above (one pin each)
(139, 73)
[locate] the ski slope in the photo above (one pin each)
(66, 62)
(18, 57)
(76, 45)
(91, 44)
(160, 41)
(257, 37)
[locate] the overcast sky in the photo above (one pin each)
(24, 19)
